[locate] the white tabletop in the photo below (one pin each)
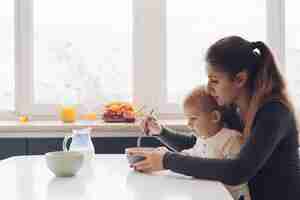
(107, 177)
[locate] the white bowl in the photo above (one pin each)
(64, 164)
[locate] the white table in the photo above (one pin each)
(107, 177)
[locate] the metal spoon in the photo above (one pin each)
(139, 140)
(166, 144)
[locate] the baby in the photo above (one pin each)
(213, 139)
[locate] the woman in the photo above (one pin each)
(243, 74)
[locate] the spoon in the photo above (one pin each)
(139, 141)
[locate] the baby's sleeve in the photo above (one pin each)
(187, 152)
(232, 146)
(196, 150)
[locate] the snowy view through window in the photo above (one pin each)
(193, 25)
(7, 55)
(292, 53)
(82, 51)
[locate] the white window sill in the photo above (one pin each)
(59, 129)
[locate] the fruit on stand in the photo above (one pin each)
(119, 112)
(23, 119)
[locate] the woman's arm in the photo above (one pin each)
(272, 123)
(181, 141)
(178, 140)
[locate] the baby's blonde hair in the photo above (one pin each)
(201, 99)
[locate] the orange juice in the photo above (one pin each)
(68, 114)
(89, 116)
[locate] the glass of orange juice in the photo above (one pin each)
(90, 116)
(70, 98)
(68, 113)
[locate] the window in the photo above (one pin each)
(82, 50)
(147, 52)
(293, 47)
(7, 55)
(194, 25)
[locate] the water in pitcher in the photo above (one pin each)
(82, 142)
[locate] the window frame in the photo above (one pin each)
(149, 56)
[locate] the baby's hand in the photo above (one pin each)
(162, 148)
(150, 126)
(185, 153)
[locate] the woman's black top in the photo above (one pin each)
(268, 161)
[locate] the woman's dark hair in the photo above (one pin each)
(265, 82)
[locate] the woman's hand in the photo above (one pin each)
(153, 159)
(150, 126)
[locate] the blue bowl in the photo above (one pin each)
(135, 158)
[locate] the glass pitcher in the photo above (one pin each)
(81, 141)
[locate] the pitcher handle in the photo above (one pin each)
(64, 145)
